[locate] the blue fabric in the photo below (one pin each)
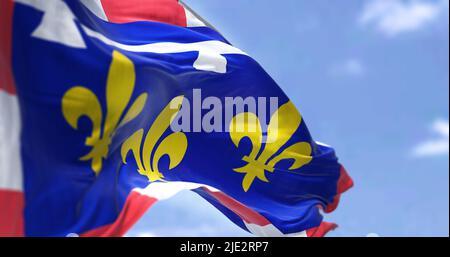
(63, 194)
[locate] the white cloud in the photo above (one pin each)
(351, 67)
(392, 17)
(437, 146)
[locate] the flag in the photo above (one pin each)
(109, 106)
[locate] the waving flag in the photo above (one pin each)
(108, 106)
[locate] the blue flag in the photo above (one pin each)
(119, 109)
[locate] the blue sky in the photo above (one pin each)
(371, 79)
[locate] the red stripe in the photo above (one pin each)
(6, 76)
(247, 214)
(11, 213)
(321, 230)
(344, 183)
(167, 11)
(135, 206)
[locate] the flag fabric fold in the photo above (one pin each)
(91, 94)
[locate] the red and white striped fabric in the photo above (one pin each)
(11, 184)
(166, 11)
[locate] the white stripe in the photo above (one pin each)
(95, 6)
(10, 161)
(192, 20)
(209, 52)
(270, 230)
(57, 24)
(166, 190)
(322, 144)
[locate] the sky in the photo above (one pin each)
(371, 79)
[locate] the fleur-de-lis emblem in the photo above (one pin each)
(80, 101)
(283, 123)
(174, 145)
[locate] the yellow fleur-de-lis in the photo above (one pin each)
(283, 124)
(174, 145)
(80, 101)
